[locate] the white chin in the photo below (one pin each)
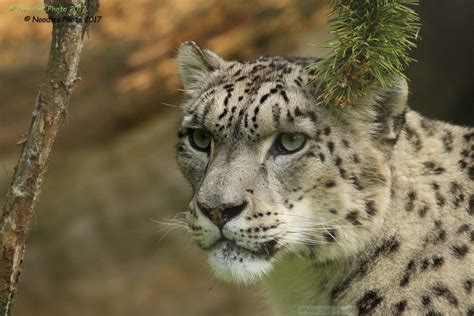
(232, 263)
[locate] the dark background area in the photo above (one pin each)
(95, 247)
(442, 81)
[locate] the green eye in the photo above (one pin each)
(288, 143)
(200, 139)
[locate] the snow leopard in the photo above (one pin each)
(361, 210)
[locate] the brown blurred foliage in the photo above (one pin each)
(128, 66)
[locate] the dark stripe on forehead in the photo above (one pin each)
(205, 98)
(276, 112)
(207, 107)
(237, 73)
(289, 117)
(264, 98)
(285, 97)
(223, 114)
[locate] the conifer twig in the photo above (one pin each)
(370, 48)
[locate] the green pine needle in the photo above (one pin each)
(370, 48)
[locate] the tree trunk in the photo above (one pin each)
(49, 112)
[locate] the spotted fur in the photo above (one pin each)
(375, 212)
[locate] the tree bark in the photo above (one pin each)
(49, 113)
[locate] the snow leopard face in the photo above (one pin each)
(274, 173)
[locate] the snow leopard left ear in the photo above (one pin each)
(390, 107)
(383, 111)
(195, 65)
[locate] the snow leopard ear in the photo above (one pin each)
(383, 111)
(195, 64)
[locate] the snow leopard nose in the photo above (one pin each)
(221, 215)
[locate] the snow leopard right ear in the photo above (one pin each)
(195, 65)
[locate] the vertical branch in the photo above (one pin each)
(50, 110)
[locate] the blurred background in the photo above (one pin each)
(95, 247)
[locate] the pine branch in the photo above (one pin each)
(370, 48)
